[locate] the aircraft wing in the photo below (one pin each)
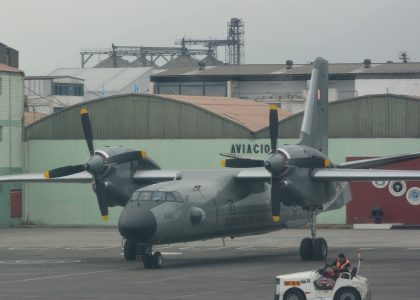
(156, 175)
(82, 177)
(256, 174)
(364, 175)
(379, 161)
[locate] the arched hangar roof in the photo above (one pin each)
(136, 116)
(371, 116)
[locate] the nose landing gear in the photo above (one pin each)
(313, 248)
(133, 251)
(152, 260)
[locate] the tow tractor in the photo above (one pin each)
(306, 286)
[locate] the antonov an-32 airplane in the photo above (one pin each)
(250, 196)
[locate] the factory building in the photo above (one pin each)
(104, 82)
(187, 132)
(48, 94)
(11, 143)
(288, 83)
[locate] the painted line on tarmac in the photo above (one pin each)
(187, 247)
(66, 275)
(218, 248)
(172, 253)
(245, 247)
(414, 248)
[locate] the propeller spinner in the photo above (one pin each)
(96, 165)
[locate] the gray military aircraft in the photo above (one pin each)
(252, 196)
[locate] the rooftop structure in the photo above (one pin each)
(102, 82)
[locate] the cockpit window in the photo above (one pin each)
(145, 196)
(158, 196)
(170, 197)
(135, 196)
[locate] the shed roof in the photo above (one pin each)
(249, 113)
(96, 79)
(276, 70)
(9, 69)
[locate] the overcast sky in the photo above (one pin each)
(50, 33)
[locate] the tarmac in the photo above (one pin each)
(87, 263)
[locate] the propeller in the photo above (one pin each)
(96, 165)
(276, 163)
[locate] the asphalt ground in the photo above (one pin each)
(87, 263)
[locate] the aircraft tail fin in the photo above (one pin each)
(314, 131)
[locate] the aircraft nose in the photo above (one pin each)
(137, 225)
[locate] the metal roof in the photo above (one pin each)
(276, 70)
(137, 116)
(249, 113)
(49, 77)
(96, 79)
(369, 116)
(394, 68)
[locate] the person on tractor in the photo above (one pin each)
(340, 265)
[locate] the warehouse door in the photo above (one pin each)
(16, 203)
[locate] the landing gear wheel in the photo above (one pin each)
(306, 249)
(130, 250)
(347, 294)
(320, 249)
(157, 260)
(148, 261)
(294, 294)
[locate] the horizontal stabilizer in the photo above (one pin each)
(378, 162)
(364, 175)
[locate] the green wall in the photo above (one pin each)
(75, 204)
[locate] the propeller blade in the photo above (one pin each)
(274, 127)
(64, 171)
(242, 163)
(275, 200)
(309, 162)
(126, 157)
(102, 197)
(87, 129)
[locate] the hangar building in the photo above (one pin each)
(181, 132)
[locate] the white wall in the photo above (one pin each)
(409, 87)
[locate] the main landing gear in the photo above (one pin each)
(313, 248)
(132, 251)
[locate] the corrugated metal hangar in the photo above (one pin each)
(183, 132)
